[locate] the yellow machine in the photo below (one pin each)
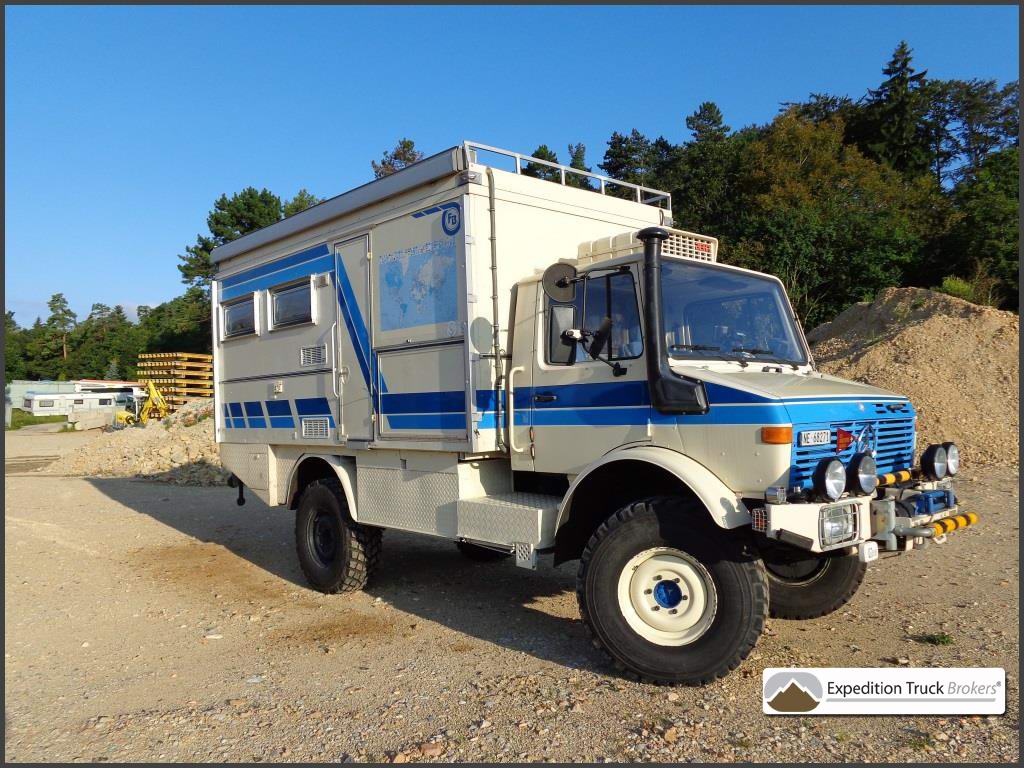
(153, 406)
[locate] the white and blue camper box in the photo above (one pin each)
(368, 321)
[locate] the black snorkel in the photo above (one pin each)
(670, 393)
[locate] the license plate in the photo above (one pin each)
(816, 437)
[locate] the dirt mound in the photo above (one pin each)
(179, 449)
(956, 361)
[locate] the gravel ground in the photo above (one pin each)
(151, 622)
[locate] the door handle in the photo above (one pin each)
(546, 398)
(512, 410)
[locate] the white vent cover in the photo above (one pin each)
(316, 427)
(309, 356)
(680, 244)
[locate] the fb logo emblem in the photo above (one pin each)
(450, 220)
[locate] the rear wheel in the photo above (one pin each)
(670, 596)
(809, 586)
(335, 553)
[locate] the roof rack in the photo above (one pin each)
(641, 194)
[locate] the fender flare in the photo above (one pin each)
(725, 509)
(344, 467)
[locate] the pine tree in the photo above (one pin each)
(578, 160)
(707, 123)
(302, 200)
(61, 321)
(900, 110)
(538, 171)
(404, 154)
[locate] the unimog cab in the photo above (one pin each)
(535, 367)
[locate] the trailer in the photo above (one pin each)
(528, 359)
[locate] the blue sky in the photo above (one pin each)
(124, 124)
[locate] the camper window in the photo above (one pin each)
(239, 318)
(106, 401)
(79, 402)
(292, 305)
(46, 403)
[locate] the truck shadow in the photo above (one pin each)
(247, 554)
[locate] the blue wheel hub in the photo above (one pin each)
(667, 594)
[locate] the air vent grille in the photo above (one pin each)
(689, 246)
(316, 427)
(310, 356)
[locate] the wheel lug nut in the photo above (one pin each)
(658, 577)
(676, 579)
(655, 608)
(648, 591)
(684, 597)
(673, 611)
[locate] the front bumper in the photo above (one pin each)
(894, 519)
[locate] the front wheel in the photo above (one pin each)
(670, 596)
(806, 587)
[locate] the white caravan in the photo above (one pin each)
(668, 429)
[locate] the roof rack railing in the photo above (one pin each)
(645, 195)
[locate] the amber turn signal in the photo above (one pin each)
(777, 435)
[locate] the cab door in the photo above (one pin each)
(580, 407)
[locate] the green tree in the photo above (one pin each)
(302, 200)
(539, 171)
(231, 217)
(14, 349)
(835, 226)
(707, 124)
(578, 160)
(986, 241)
(628, 158)
(898, 107)
(60, 323)
(179, 325)
(404, 154)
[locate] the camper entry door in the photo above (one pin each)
(355, 357)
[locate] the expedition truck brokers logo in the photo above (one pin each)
(451, 216)
(884, 691)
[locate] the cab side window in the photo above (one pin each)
(614, 296)
(610, 295)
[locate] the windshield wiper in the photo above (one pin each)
(694, 347)
(752, 350)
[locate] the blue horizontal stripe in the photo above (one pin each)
(322, 264)
(428, 421)
(282, 422)
(238, 423)
(424, 402)
(257, 422)
(274, 266)
(236, 409)
(253, 408)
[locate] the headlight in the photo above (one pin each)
(952, 458)
(837, 524)
(830, 479)
(862, 475)
(934, 462)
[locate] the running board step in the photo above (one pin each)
(524, 521)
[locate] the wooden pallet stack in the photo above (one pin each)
(179, 376)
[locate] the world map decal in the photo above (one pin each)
(418, 285)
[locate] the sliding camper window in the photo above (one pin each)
(239, 318)
(292, 304)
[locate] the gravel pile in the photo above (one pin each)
(179, 449)
(956, 361)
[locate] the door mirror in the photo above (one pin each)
(559, 282)
(561, 345)
(600, 339)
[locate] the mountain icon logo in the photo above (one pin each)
(793, 692)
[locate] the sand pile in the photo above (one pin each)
(179, 450)
(956, 361)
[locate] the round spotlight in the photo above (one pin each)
(934, 462)
(862, 476)
(830, 479)
(952, 458)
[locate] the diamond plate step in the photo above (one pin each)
(509, 518)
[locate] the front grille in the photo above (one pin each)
(894, 447)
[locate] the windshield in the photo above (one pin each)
(710, 312)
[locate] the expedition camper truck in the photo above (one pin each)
(523, 365)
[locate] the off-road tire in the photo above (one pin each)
(736, 572)
(480, 554)
(356, 548)
(821, 593)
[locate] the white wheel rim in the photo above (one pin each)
(667, 596)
